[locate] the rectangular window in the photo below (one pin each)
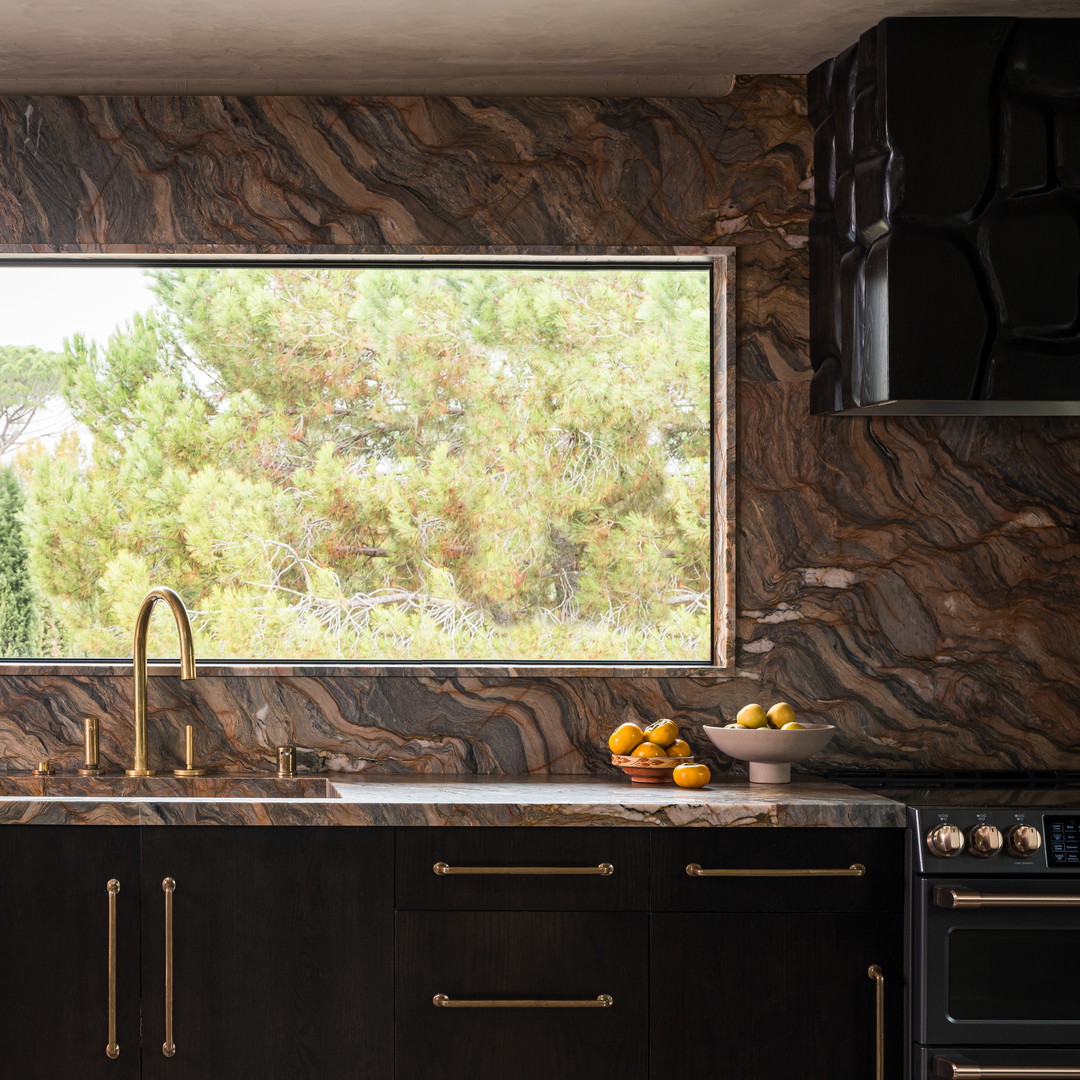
(505, 461)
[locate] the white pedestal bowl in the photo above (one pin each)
(769, 751)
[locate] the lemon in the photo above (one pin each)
(648, 749)
(793, 727)
(679, 748)
(740, 727)
(691, 775)
(624, 738)
(663, 732)
(781, 714)
(753, 716)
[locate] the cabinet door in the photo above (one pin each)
(54, 943)
(475, 959)
(282, 952)
(773, 997)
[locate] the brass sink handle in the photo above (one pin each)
(91, 747)
(189, 768)
(187, 664)
(44, 768)
(286, 762)
(602, 1001)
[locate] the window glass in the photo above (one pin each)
(385, 462)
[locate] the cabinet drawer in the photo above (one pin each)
(525, 957)
(759, 850)
(569, 858)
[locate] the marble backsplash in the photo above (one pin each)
(914, 581)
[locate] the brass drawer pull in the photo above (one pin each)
(168, 1048)
(854, 870)
(605, 869)
(969, 898)
(112, 1050)
(952, 1070)
(602, 1001)
(875, 973)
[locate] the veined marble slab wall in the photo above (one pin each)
(915, 581)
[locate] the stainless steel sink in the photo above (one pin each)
(161, 787)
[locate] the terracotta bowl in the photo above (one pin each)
(769, 751)
(649, 770)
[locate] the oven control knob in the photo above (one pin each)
(985, 841)
(945, 841)
(1024, 840)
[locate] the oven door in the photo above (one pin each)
(997, 962)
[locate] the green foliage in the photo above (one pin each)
(18, 620)
(29, 377)
(394, 463)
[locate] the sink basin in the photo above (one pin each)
(163, 787)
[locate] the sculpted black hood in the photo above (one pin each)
(945, 241)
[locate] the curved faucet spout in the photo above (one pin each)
(187, 664)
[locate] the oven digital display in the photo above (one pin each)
(1062, 841)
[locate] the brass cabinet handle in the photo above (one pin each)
(969, 898)
(112, 1050)
(875, 973)
(854, 870)
(168, 1048)
(952, 1070)
(602, 1001)
(605, 869)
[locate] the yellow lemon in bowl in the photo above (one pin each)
(752, 716)
(781, 714)
(691, 776)
(624, 738)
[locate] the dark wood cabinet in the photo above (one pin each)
(772, 996)
(282, 953)
(589, 969)
(54, 946)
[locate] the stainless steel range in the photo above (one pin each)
(994, 934)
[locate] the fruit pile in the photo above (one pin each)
(781, 716)
(659, 740)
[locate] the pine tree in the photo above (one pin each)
(18, 622)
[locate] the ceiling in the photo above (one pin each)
(672, 47)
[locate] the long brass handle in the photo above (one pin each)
(875, 973)
(601, 1001)
(969, 898)
(604, 869)
(112, 1050)
(952, 1070)
(854, 870)
(168, 1048)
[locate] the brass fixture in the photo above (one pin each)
(187, 664)
(44, 768)
(91, 748)
(603, 1001)
(985, 841)
(875, 973)
(969, 898)
(605, 869)
(189, 768)
(1023, 841)
(952, 1070)
(168, 1048)
(854, 870)
(946, 841)
(286, 761)
(112, 1050)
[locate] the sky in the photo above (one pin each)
(42, 305)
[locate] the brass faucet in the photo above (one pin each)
(187, 664)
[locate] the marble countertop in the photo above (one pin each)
(357, 799)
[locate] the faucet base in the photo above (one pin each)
(140, 772)
(189, 772)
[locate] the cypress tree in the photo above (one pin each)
(18, 631)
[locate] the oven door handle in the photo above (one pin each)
(954, 1070)
(969, 898)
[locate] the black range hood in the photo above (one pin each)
(945, 240)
